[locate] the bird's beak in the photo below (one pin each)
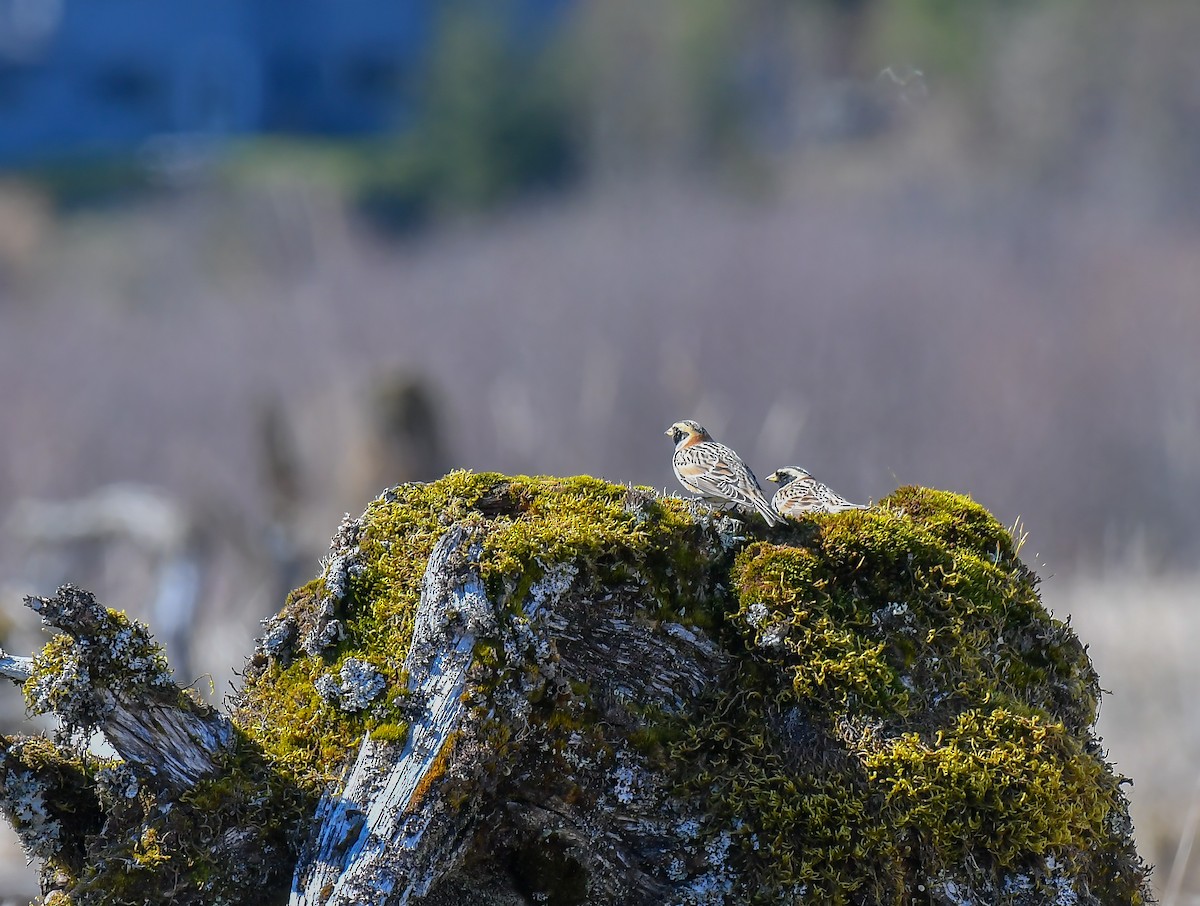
(774, 476)
(667, 432)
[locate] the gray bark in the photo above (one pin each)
(392, 832)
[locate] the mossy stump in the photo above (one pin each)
(539, 690)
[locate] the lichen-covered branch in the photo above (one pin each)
(189, 813)
(107, 674)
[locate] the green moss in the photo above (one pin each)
(1014, 785)
(392, 733)
(914, 607)
(900, 701)
(910, 639)
(528, 525)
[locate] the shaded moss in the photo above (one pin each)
(50, 795)
(149, 853)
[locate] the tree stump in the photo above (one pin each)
(537, 690)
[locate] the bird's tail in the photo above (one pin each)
(842, 507)
(767, 511)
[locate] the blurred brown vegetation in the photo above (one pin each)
(910, 242)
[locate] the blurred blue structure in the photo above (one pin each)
(87, 77)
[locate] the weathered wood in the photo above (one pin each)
(118, 831)
(112, 677)
(387, 835)
(14, 667)
(372, 841)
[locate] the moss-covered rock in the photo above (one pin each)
(899, 712)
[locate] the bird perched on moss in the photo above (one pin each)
(716, 472)
(800, 493)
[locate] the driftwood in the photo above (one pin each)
(517, 691)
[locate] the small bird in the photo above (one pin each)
(716, 472)
(800, 493)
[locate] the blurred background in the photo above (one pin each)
(260, 260)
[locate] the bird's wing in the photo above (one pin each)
(835, 502)
(807, 495)
(799, 496)
(714, 470)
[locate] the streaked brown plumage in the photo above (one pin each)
(801, 493)
(715, 471)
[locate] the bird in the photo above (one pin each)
(800, 493)
(716, 472)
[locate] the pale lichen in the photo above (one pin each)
(355, 685)
(25, 803)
